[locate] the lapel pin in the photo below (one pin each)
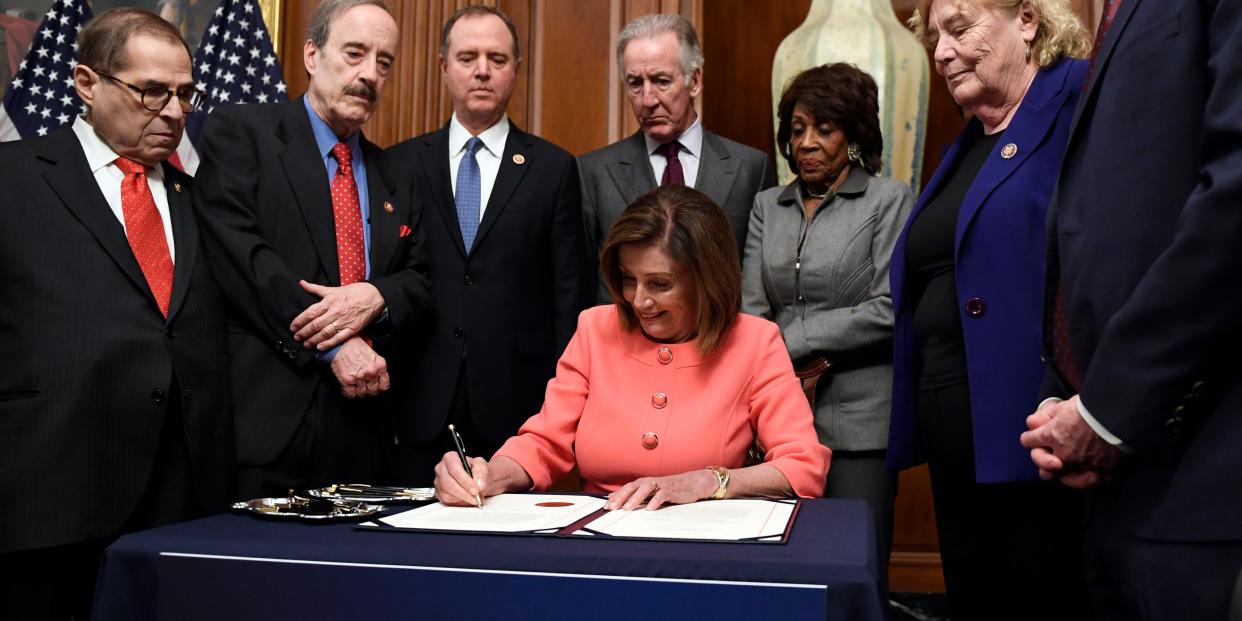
(1009, 150)
(519, 159)
(176, 187)
(388, 206)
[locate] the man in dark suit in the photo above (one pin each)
(1143, 312)
(114, 404)
(320, 258)
(507, 254)
(661, 64)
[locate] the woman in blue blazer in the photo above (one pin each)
(967, 288)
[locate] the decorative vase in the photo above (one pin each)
(865, 33)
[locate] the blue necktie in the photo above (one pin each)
(468, 189)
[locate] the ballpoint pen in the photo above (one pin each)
(465, 463)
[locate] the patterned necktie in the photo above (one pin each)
(1062, 353)
(672, 167)
(347, 214)
(1106, 22)
(145, 231)
(469, 188)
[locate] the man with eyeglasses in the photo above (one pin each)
(321, 258)
(114, 396)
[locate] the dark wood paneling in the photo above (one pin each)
(740, 38)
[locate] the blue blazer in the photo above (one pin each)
(1000, 250)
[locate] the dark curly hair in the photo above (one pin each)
(843, 94)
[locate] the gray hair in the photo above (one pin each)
(473, 11)
(321, 21)
(650, 26)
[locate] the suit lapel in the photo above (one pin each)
(383, 210)
(438, 179)
(1030, 125)
(631, 172)
(1124, 12)
(70, 178)
(185, 234)
(717, 171)
(309, 181)
(507, 179)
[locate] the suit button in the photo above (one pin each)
(281, 345)
(1174, 425)
(659, 400)
(291, 353)
(469, 280)
(975, 307)
(457, 333)
(650, 440)
(1043, 358)
(157, 395)
(170, 334)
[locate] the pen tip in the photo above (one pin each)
(450, 427)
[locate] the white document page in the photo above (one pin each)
(721, 520)
(504, 513)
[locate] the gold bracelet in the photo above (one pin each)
(722, 481)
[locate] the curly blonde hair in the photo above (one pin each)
(1060, 32)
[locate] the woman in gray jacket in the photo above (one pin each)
(816, 263)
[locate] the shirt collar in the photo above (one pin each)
(325, 138)
(493, 137)
(855, 184)
(691, 140)
(98, 153)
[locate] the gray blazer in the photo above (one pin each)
(612, 177)
(838, 304)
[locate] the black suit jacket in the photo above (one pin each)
(1143, 237)
(612, 177)
(509, 307)
(89, 361)
(265, 204)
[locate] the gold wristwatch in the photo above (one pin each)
(722, 479)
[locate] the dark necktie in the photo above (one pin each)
(469, 190)
(1106, 22)
(1062, 354)
(350, 247)
(672, 167)
(145, 231)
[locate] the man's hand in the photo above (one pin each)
(360, 371)
(1064, 447)
(342, 313)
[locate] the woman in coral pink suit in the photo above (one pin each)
(659, 396)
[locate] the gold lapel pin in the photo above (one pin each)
(1009, 150)
(519, 159)
(176, 187)
(388, 206)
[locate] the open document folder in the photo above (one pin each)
(585, 516)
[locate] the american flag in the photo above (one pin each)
(235, 62)
(41, 98)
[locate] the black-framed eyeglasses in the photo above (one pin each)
(154, 98)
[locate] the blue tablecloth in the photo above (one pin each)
(239, 567)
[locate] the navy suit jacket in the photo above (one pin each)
(1144, 239)
(1000, 254)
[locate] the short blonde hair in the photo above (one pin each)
(1060, 32)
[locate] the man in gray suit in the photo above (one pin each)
(661, 63)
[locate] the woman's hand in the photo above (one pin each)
(455, 487)
(678, 489)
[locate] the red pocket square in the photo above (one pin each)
(404, 231)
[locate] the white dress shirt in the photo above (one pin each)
(691, 150)
(488, 155)
(101, 159)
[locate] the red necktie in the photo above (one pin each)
(145, 230)
(672, 169)
(350, 249)
(1106, 22)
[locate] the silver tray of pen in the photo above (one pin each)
(300, 508)
(377, 494)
